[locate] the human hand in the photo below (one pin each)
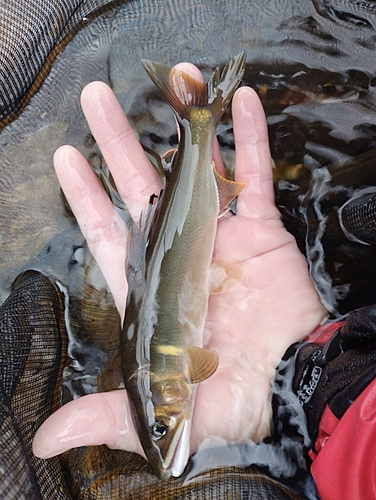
(250, 324)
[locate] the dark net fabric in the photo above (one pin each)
(32, 346)
(17, 475)
(29, 32)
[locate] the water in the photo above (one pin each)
(313, 66)
(282, 454)
(312, 69)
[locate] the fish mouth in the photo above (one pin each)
(178, 452)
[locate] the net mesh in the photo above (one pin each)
(29, 33)
(33, 342)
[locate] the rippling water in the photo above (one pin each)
(312, 64)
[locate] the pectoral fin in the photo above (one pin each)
(202, 363)
(227, 190)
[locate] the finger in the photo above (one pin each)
(134, 176)
(92, 420)
(253, 162)
(101, 225)
(217, 158)
(191, 70)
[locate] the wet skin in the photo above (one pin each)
(250, 325)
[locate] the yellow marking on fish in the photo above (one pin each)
(170, 350)
(200, 114)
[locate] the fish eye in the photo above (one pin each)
(159, 429)
(328, 88)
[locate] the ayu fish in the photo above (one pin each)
(162, 354)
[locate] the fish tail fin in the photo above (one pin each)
(184, 92)
(222, 85)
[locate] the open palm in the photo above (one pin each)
(271, 304)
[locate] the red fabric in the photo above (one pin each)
(345, 464)
(323, 333)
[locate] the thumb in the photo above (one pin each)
(102, 418)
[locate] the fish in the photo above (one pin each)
(163, 358)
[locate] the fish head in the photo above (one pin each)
(164, 426)
(163, 408)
